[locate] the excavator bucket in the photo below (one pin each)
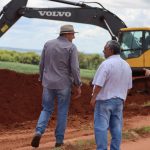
(10, 14)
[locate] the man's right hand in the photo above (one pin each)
(147, 72)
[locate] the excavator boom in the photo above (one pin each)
(82, 14)
(10, 14)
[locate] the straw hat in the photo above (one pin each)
(67, 29)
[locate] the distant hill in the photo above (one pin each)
(38, 51)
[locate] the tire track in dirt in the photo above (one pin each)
(21, 141)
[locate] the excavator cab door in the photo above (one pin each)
(146, 47)
(131, 44)
(135, 48)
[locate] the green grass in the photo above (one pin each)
(85, 73)
(78, 145)
(18, 67)
(131, 135)
(33, 69)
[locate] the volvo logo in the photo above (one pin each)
(55, 13)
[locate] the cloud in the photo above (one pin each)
(138, 4)
(32, 33)
(3, 3)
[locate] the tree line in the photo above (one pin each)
(87, 61)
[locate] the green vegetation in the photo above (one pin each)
(13, 56)
(33, 69)
(129, 135)
(79, 145)
(18, 67)
(143, 130)
(28, 63)
(87, 61)
(87, 74)
(90, 61)
(146, 104)
(132, 134)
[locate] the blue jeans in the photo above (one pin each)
(48, 101)
(108, 115)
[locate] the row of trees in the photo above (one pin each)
(87, 61)
(13, 56)
(90, 61)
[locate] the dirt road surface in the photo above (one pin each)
(20, 105)
(142, 144)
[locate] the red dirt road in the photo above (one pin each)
(142, 144)
(20, 105)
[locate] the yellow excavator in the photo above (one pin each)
(135, 42)
(135, 48)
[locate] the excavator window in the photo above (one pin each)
(131, 44)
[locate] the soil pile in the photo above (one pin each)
(20, 100)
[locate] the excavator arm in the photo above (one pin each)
(10, 14)
(83, 13)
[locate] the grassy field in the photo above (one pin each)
(33, 69)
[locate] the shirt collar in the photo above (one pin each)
(62, 38)
(114, 56)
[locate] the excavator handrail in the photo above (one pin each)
(80, 4)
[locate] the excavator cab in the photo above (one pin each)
(135, 48)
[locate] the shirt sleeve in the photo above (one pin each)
(130, 81)
(41, 64)
(74, 64)
(101, 75)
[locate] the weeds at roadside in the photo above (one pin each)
(132, 135)
(78, 145)
(81, 144)
(143, 131)
(146, 104)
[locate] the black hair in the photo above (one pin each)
(114, 45)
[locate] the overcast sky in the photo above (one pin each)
(33, 33)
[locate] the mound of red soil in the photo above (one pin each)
(20, 97)
(20, 100)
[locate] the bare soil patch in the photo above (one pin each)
(20, 105)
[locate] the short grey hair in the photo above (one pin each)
(114, 45)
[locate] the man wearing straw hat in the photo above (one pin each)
(59, 69)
